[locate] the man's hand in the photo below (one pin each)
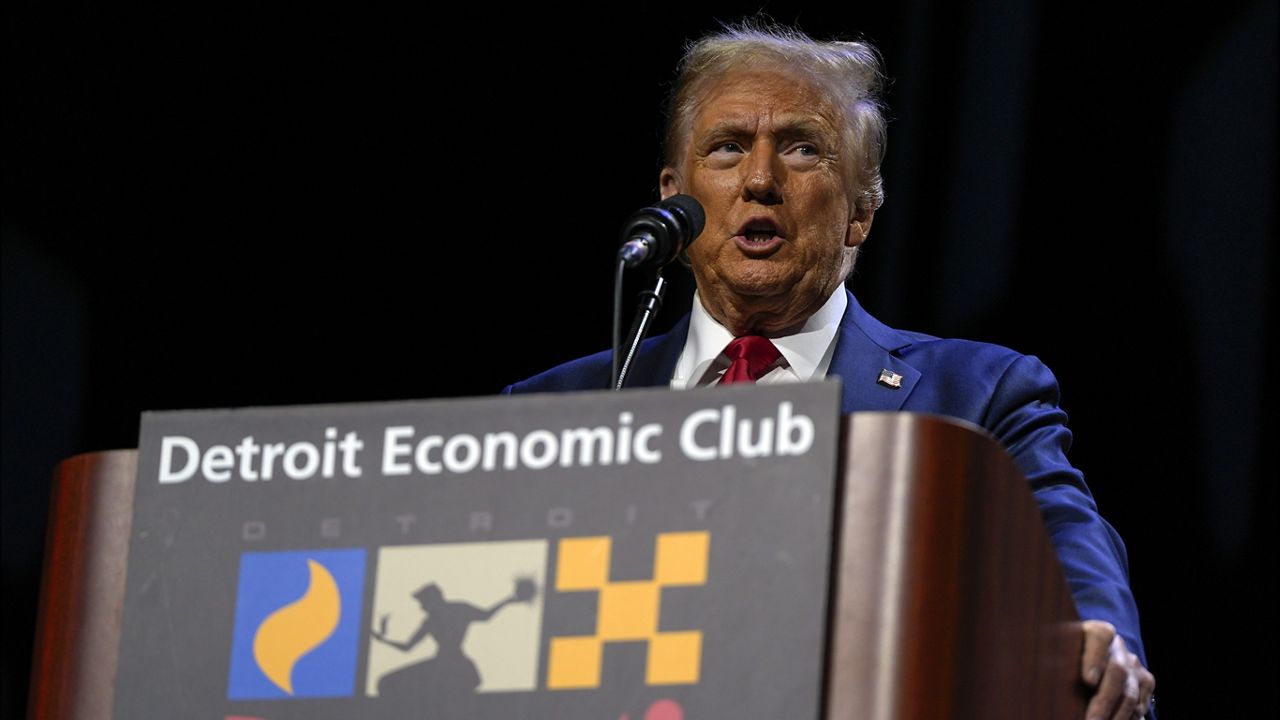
(1122, 687)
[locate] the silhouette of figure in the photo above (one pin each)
(450, 671)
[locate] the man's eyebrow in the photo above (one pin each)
(804, 125)
(728, 126)
(787, 126)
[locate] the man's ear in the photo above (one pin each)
(859, 227)
(668, 183)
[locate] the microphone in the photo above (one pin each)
(656, 235)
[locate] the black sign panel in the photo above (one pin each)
(646, 554)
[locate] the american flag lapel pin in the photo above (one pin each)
(890, 379)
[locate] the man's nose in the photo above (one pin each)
(760, 183)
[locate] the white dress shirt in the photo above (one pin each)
(806, 354)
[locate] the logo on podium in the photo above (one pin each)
(297, 624)
(452, 619)
(629, 611)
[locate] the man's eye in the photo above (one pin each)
(732, 147)
(807, 150)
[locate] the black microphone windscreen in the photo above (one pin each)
(693, 212)
(656, 235)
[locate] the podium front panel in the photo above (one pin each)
(644, 554)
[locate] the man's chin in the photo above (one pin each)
(761, 285)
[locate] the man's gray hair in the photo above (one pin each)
(850, 72)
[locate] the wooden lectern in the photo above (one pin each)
(947, 598)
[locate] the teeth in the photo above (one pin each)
(759, 235)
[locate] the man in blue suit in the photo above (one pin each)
(780, 138)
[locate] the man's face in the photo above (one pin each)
(765, 156)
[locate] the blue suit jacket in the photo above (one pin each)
(1013, 396)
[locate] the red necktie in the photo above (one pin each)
(751, 357)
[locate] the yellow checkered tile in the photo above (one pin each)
(629, 610)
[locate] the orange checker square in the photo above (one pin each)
(681, 558)
(583, 563)
(574, 662)
(675, 658)
(628, 611)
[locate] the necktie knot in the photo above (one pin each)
(750, 358)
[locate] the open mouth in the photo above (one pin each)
(759, 236)
(759, 230)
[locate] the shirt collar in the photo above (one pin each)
(807, 351)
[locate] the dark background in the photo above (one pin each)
(206, 208)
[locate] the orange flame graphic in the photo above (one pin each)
(297, 628)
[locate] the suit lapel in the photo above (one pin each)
(656, 361)
(865, 349)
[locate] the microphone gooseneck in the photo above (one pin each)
(652, 237)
